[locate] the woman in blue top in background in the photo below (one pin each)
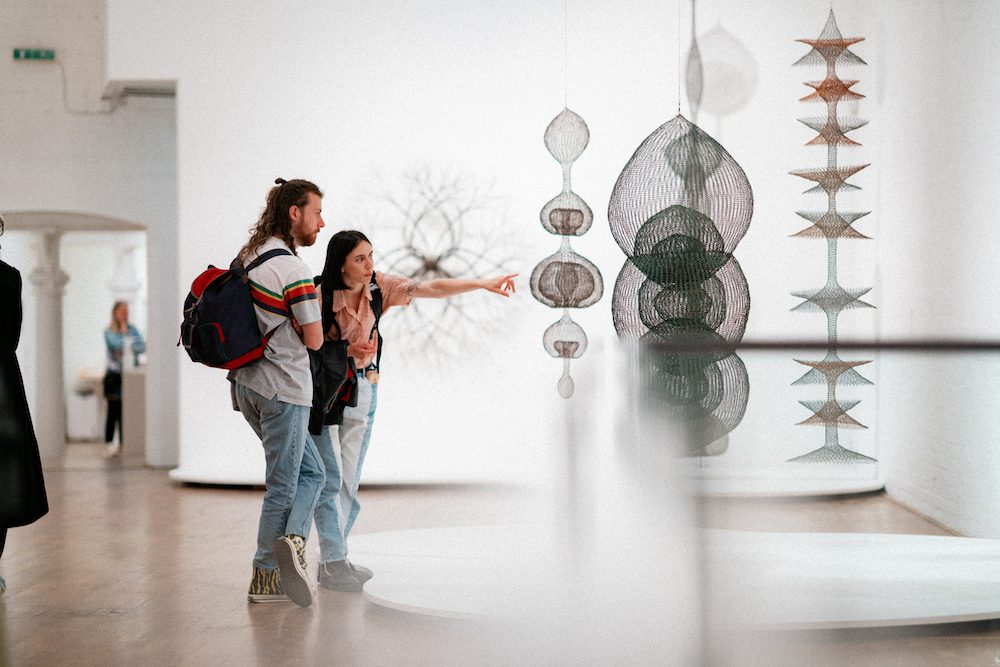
(118, 334)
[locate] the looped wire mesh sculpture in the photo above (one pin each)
(680, 206)
(831, 49)
(566, 279)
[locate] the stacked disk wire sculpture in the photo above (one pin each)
(566, 279)
(678, 209)
(831, 225)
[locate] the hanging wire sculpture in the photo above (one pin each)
(678, 209)
(449, 228)
(831, 49)
(566, 279)
(694, 78)
(721, 73)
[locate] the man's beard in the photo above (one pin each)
(308, 240)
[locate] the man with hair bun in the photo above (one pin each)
(275, 393)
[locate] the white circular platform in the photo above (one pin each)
(536, 601)
(783, 480)
(793, 580)
(843, 580)
(468, 572)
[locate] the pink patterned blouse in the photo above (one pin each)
(356, 326)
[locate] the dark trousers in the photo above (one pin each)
(114, 419)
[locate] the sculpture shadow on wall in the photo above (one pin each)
(720, 75)
(441, 225)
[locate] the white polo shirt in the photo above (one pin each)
(280, 287)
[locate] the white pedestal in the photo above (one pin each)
(85, 408)
(134, 412)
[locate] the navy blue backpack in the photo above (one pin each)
(220, 328)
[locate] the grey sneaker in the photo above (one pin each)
(290, 551)
(360, 572)
(337, 576)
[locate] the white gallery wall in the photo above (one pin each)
(353, 97)
(936, 179)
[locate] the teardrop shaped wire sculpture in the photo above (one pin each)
(678, 210)
(694, 76)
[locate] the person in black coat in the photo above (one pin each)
(22, 488)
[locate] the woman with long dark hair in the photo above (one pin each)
(22, 488)
(349, 276)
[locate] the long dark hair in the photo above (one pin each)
(340, 246)
(274, 220)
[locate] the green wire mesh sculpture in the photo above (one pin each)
(831, 49)
(680, 206)
(566, 279)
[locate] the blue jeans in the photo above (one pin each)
(343, 450)
(294, 473)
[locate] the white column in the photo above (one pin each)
(49, 282)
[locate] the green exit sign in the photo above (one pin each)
(34, 54)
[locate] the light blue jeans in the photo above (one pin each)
(294, 472)
(343, 450)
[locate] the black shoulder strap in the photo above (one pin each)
(330, 320)
(266, 256)
(253, 265)
(326, 309)
(376, 305)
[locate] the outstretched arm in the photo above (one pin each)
(441, 288)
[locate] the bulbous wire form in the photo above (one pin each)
(709, 399)
(567, 214)
(566, 137)
(679, 208)
(645, 309)
(565, 339)
(567, 280)
(679, 164)
(829, 50)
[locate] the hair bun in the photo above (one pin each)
(280, 181)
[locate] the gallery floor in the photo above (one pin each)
(131, 568)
